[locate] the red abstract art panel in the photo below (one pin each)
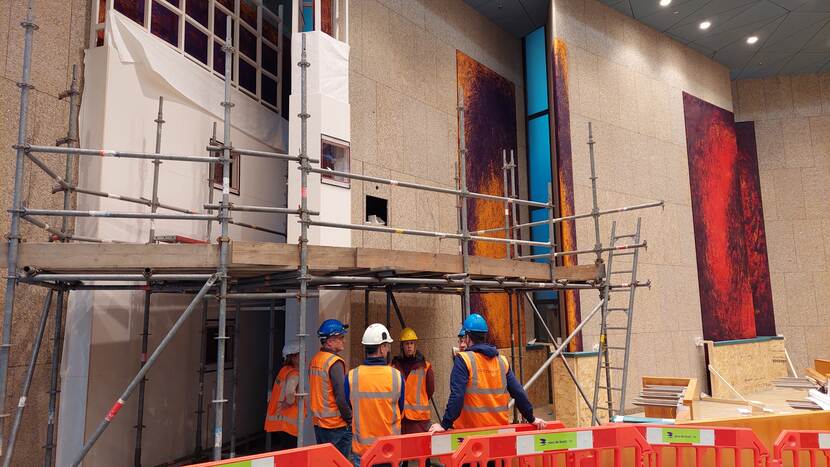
(489, 128)
(733, 274)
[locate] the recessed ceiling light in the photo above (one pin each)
(751, 39)
(705, 25)
(665, 2)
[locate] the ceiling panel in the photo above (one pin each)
(793, 35)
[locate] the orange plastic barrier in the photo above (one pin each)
(571, 447)
(695, 443)
(324, 455)
(797, 443)
(422, 446)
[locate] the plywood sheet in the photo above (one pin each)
(749, 366)
(571, 409)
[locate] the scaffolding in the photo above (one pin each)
(265, 292)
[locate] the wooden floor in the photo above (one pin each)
(256, 258)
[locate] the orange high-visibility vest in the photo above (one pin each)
(374, 391)
(280, 416)
(486, 397)
(416, 401)
(324, 411)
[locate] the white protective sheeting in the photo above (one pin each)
(331, 79)
(137, 46)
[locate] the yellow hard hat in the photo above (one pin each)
(408, 334)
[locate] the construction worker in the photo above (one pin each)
(281, 418)
(420, 383)
(376, 392)
(481, 384)
(330, 410)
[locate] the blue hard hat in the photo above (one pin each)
(332, 327)
(475, 323)
(462, 332)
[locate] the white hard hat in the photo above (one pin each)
(376, 334)
(290, 348)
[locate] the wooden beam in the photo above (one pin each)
(253, 257)
(116, 256)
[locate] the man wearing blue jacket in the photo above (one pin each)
(482, 384)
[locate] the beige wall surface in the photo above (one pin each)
(404, 126)
(627, 79)
(58, 44)
(792, 132)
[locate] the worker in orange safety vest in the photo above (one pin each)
(329, 403)
(376, 392)
(420, 383)
(481, 385)
(281, 418)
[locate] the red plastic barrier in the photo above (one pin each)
(797, 442)
(325, 455)
(422, 446)
(571, 447)
(684, 440)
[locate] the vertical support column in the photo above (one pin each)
(551, 232)
(27, 381)
(154, 200)
(211, 176)
(200, 397)
(514, 194)
(14, 230)
(57, 341)
(145, 335)
(272, 323)
(57, 348)
(512, 341)
(465, 231)
(508, 229)
(221, 338)
(305, 167)
(235, 376)
(595, 206)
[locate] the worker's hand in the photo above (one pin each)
(539, 423)
(436, 428)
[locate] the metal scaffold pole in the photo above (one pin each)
(595, 206)
(465, 230)
(25, 85)
(119, 403)
(221, 337)
(145, 329)
(200, 397)
(27, 381)
(71, 140)
(303, 244)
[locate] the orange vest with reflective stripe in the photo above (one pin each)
(374, 391)
(280, 416)
(416, 401)
(486, 397)
(324, 411)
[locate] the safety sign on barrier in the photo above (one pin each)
(566, 441)
(824, 440)
(673, 435)
(448, 443)
(262, 462)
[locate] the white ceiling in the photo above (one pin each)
(793, 35)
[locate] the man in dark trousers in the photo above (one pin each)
(481, 385)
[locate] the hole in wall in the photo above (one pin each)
(377, 210)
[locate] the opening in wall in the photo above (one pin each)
(376, 210)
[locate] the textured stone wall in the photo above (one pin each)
(792, 131)
(58, 44)
(404, 126)
(627, 79)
